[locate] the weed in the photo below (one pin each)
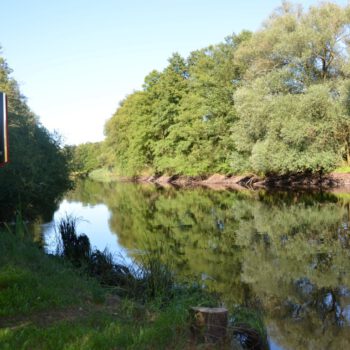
(76, 248)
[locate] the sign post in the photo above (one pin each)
(3, 129)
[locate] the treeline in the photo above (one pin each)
(38, 171)
(271, 102)
(85, 157)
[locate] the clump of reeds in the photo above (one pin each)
(75, 248)
(148, 279)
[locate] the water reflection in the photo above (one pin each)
(91, 220)
(287, 254)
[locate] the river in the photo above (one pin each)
(284, 254)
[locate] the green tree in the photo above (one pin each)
(288, 133)
(166, 96)
(86, 157)
(136, 136)
(180, 122)
(291, 104)
(200, 137)
(128, 136)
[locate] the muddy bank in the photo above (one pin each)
(217, 180)
(330, 181)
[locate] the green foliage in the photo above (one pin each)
(38, 170)
(128, 141)
(289, 132)
(104, 175)
(41, 294)
(86, 157)
(342, 169)
(290, 108)
(180, 122)
(34, 286)
(272, 102)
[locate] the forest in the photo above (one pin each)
(275, 101)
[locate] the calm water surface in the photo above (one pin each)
(287, 255)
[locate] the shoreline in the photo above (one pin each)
(334, 182)
(331, 182)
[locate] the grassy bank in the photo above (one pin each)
(82, 299)
(342, 170)
(46, 303)
(124, 326)
(103, 175)
(31, 281)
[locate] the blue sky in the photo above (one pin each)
(76, 60)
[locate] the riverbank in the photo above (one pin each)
(46, 303)
(336, 180)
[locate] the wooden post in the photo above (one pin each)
(209, 324)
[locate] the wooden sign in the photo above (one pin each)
(3, 129)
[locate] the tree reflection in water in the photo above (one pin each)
(286, 253)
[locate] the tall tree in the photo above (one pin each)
(291, 117)
(200, 136)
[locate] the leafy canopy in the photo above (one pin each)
(272, 102)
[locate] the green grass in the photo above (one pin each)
(103, 175)
(41, 295)
(129, 329)
(342, 169)
(32, 281)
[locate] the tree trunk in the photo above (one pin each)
(209, 324)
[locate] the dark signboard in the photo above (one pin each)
(3, 129)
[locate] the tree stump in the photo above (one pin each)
(209, 324)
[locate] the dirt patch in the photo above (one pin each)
(144, 179)
(46, 318)
(216, 179)
(341, 178)
(163, 179)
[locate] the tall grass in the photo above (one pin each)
(19, 227)
(75, 248)
(145, 280)
(99, 264)
(148, 279)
